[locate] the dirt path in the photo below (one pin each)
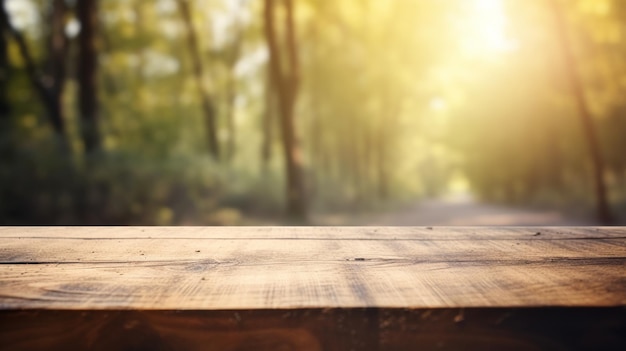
(461, 210)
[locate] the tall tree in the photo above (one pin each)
(6, 144)
(87, 13)
(571, 68)
(58, 49)
(233, 54)
(5, 109)
(286, 80)
(268, 121)
(50, 84)
(208, 106)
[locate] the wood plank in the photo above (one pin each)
(317, 329)
(221, 268)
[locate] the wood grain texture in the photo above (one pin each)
(247, 268)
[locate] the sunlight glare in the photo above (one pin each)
(22, 14)
(438, 104)
(484, 29)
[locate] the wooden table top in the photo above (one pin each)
(230, 268)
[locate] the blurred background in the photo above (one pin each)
(351, 112)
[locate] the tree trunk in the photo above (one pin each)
(7, 150)
(315, 125)
(286, 81)
(5, 108)
(208, 107)
(48, 87)
(602, 206)
(268, 121)
(316, 147)
(230, 118)
(368, 160)
(234, 53)
(381, 164)
(87, 12)
(57, 71)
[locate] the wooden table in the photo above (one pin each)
(312, 288)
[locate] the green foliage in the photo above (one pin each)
(115, 188)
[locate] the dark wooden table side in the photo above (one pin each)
(317, 329)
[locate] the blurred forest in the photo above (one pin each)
(225, 112)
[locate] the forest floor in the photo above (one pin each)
(456, 210)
